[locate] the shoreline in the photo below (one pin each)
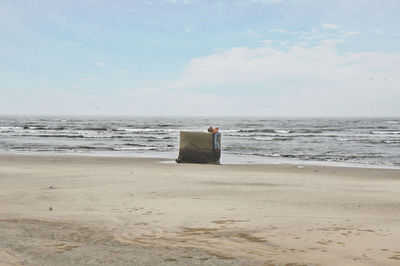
(251, 167)
(122, 211)
(226, 159)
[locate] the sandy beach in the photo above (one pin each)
(64, 210)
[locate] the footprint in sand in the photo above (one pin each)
(325, 242)
(396, 256)
(61, 247)
(251, 238)
(229, 221)
(141, 223)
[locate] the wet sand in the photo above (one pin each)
(63, 210)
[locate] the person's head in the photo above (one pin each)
(210, 129)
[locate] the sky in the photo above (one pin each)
(200, 57)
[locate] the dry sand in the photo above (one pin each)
(71, 210)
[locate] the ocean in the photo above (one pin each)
(346, 141)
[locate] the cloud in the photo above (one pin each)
(161, 101)
(322, 31)
(329, 44)
(299, 80)
(244, 66)
(279, 30)
(329, 26)
(145, 91)
(317, 35)
(185, 2)
(122, 71)
(377, 32)
(350, 33)
(69, 44)
(266, 1)
(250, 32)
(100, 64)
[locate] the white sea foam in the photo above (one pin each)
(391, 141)
(264, 138)
(147, 130)
(133, 148)
(9, 128)
(282, 131)
(386, 132)
(224, 131)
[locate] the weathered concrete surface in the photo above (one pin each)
(198, 147)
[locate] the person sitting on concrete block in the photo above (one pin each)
(216, 134)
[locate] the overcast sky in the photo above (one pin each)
(200, 57)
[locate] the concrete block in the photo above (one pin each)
(198, 147)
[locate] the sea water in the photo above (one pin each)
(359, 141)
